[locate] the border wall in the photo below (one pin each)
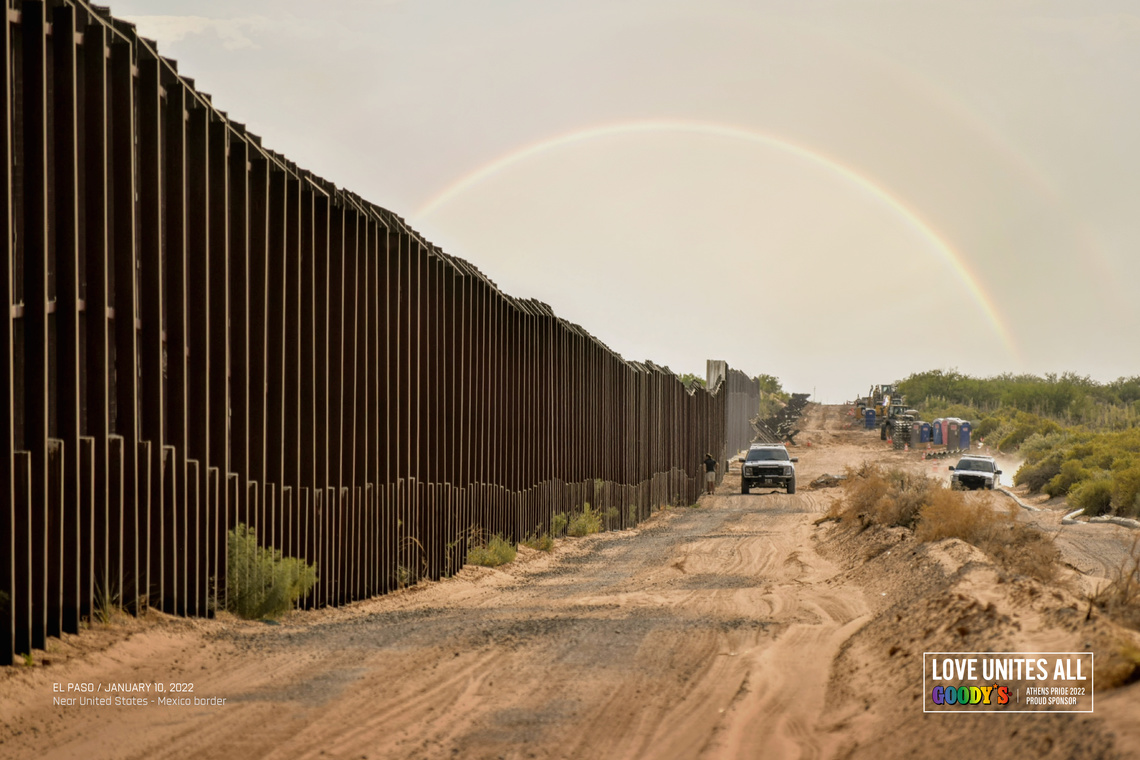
(741, 404)
(200, 333)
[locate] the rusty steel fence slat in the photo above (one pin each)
(198, 334)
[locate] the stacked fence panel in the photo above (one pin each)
(199, 334)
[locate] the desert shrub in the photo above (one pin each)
(585, 522)
(1038, 447)
(1036, 476)
(949, 514)
(986, 426)
(1024, 550)
(1015, 546)
(875, 496)
(1071, 473)
(1126, 491)
(1023, 427)
(543, 542)
(1093, 496)
(1076, 460)
(863, 488)
(1120, 597)
(497, 551)
(558, 524)
(260, 583)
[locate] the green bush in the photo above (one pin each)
(586, 522)
(1064, 462)
(1035, 476)
(1072, 472)
(1022, 428)
(260, 583)
(1093, 496)
(1133, 510)
(1037, 446)
(986, 426)
(1126, 490)
(497, 551)
(558, 524)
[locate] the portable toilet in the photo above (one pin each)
(964, 435)
(936, 432)
(869, 418)
(915, 433)
(952, 438)
(925, 436)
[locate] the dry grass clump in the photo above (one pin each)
(949, 514)
(1016, 546)
(1120, 597)
(874, 496)
(1026, 551)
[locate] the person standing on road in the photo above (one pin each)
(710, 473)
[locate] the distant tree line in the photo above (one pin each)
(1069, 397)
(1080, 438)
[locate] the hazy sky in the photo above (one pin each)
(836, 193)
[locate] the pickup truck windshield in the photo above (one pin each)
(767, 455)
(975, 465)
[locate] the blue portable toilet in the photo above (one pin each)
(952, 434)
(964, 436)
(869, 418)
(936, 432)
(925, 435)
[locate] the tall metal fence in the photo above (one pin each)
(741, 404)
(199, 334)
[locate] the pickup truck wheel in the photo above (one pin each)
(792, 486)
(744, 488)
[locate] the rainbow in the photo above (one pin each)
(944, 250)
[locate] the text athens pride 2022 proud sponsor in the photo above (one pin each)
(1007, 682)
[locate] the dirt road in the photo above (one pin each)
(737, 628)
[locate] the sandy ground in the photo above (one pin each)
(736, 629)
